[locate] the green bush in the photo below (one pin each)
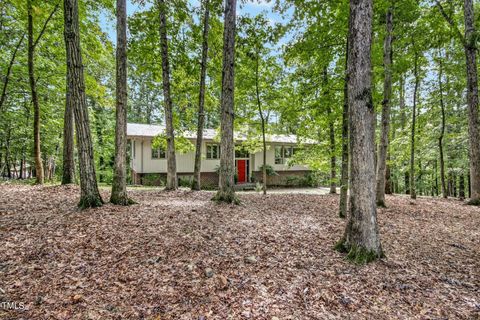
(185, 181)
(153, 179)
(270, 170)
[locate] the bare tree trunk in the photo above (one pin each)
(387, 93)
(7, 153)
(472, 100)
(263, 122)
(442, 131)
(68, 175)
(196, 182)
(361, 239)
(331, 131)
(345, 143)
(119, 184)
(461, 188)
(171, 159)
(413, 193)
(89, 196)
(226, 192)
(36, 107)
(9, 70)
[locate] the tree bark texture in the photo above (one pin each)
(387, 93)
(345, 144)
(196, 185)
(89, 195)
(361, 239)
(172, 183)
(472, 101)
(226, 192)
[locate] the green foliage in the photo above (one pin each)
(182, 144)
(270, 170)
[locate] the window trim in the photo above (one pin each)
(212, 145)
(283, 159)
(159, 154)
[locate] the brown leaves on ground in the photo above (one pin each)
(177, 255)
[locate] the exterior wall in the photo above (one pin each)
(142, 163)
(258, 160)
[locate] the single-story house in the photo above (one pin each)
(149, 165)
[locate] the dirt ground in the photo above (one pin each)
(177, 255)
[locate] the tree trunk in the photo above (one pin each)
(196, 182)
(8, 165)
(387, 93)
(171, 159)
(39, 179)
(9, 70)
(226, 192)
(361, 239)
(345, 143)
(461, 188)
(263, 122)
(413, 193)
(68, 175)
(331, 131)
(98, 114)
(119, 184)
(472, 100)
(442, 131)
(89, 196)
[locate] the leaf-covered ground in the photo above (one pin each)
(180, 256)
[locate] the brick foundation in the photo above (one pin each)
(284, 178)
(209, 180)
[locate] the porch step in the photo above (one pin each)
(245, 186)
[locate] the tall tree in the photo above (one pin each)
(442, 129)
(89, 196)
(201, 100)
(387, 93)
(32, 44)
(226, 192)
(361, 239)
(469, 40)
(413, 192)
(119, 185)
(472, 100)
(331, 135)
(172, 183)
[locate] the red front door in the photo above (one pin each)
(242, 171)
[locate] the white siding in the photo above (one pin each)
(258, 162)
(143, 162)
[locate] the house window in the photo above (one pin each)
(158, 153)
(241, 152)
(283, 153)
(213, 151)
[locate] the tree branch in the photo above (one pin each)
(9, 70)
(45, 25)
(451, 22)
